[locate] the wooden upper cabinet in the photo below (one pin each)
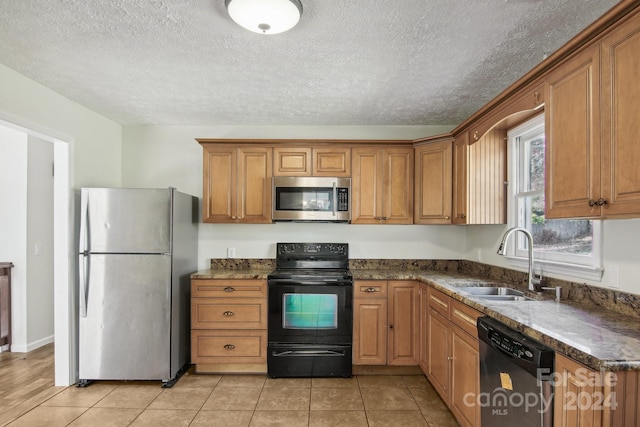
(620, 100)
(332, 161)
(382, 185)
(479, 176)
(237, 184)
(312, 161)
(572, 127)
(592, 128)
(433, 181)
(291, 161)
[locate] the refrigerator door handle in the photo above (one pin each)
(83, 259)
(84, 223)
(84, 262)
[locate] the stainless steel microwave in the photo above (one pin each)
(306, 198)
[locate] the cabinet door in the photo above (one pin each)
(370, 331)
(403, 323)
(254, 185)
(219, 184)
(423, 340)
(460, 157)
(465, 377)
(439, 362)
(572, 127)
(366, 185)
(574, 389)
(334, 161)
(397, 198)
(621, 119)
(291, 161)
(433, 180)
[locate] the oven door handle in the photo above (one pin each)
(289, 282)
(295, 353)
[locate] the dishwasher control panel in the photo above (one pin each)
(514, 344)
(511, 346)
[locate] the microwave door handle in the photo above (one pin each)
(335, 199)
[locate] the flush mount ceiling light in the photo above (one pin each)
(265, 16)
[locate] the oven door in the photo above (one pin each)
(310, 313)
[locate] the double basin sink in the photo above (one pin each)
(495, 293)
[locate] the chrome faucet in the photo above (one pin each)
(534, 282)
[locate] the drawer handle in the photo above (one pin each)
(229, 289)
(229, 346)
(370, 290)
(228, 313)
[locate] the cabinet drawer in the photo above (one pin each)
(465, 317)
(440, 302)
(370, 289)
(228, 346)
(228, 313)
(228, 288)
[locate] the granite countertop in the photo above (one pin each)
(599, 338)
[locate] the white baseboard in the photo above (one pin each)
(32, 345)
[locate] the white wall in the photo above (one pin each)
(620, 250)
(39, 247)
(95, 140)
(164, 156)
(13, 224)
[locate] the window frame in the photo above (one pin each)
(574, 266)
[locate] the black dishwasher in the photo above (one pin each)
(515, 377)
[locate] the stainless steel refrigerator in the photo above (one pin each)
(137, 249)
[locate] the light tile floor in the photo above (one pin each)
(247, 400)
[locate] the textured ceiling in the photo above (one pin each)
(348, 62)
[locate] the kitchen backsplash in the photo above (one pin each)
(609, 299)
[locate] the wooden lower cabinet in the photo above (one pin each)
(403, 323)
(439, 359)
(229, 325)
(385, 328)
(370, 331)
(453, 362)
(423, 316)
(465, 378)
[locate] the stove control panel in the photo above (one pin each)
(312, 249)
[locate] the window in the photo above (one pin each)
(565, 246)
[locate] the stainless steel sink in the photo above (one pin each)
(495, 293)
(487, 290)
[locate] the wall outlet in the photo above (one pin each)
(614, 276)
(231, 252)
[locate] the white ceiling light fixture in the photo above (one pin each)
(265, 16)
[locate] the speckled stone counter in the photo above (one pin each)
(598, 337)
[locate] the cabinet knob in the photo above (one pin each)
(370, 290)
(446, 217)
(228, 313)
(229, 289)
(229, 346)
(449, 357)
(390, 326)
